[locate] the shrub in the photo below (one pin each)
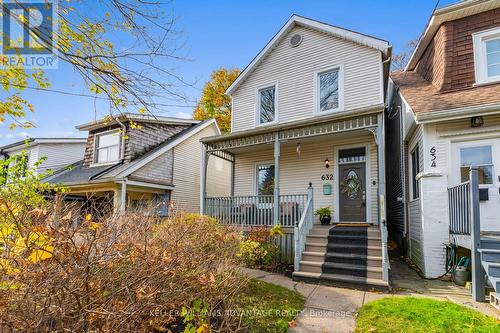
(259, 249)
(131, 273)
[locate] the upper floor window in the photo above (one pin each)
(267, 105)
(107, 147)
(480, 157)
(487, 56)
(329, 90)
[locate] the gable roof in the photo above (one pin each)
(445, 14)
(80, 175)
(33, 141)
(171, 142)
(297, 20)
(139, 118)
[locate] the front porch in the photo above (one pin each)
(281, 174)
(102, 200)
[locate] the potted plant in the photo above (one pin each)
(325, 215)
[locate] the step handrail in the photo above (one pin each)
(302, 228)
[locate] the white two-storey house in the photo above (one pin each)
(307, 132)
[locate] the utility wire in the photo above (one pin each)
(92, 96)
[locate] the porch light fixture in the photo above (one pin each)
(476, 121)
(327, 163)
(298, 149)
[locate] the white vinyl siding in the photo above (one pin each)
(57, 155)
(187, 160)
(294, 68)
(296, 172)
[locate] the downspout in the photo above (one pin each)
(123, 197)
(123, 192)
(124, 133)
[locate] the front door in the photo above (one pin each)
(352, 190)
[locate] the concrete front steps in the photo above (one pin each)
(347, 256)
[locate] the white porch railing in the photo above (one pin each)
(302, 229)
(256, 210)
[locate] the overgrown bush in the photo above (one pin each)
(131, 273)
(259, 248)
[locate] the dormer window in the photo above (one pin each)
(487, 56)
(107, 147)
(266, 105)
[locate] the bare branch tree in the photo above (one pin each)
(400, 60)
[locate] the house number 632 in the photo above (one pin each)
(327, 177)
(433, 157)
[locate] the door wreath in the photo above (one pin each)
(351, 185)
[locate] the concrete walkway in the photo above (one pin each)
(333, 310)
(327, 309)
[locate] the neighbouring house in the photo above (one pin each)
(57, 152)
(133, 160)
(307, 132)
(444, 117)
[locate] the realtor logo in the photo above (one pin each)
(28, 33)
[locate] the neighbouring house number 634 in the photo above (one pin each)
(433, 157)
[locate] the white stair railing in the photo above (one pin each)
(302, 228)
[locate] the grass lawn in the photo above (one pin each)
(268, 307)
(412, 315)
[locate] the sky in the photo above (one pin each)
(222, 33)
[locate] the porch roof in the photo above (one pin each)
(330, 124)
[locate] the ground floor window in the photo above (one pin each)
(415, 170)
(480, 157)
(265, 179)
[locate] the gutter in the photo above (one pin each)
(104, 171)
(458, 113)
(358, 112)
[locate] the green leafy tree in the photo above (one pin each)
(214, 103)
(130, 76)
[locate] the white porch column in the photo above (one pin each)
(277, 153)
(123, 197)
(203, 178)
(380, 139)
(233, 173)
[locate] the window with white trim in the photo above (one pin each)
(415, 170)
(267, 105)
(329, 90)
(480, 157)
(487, 56)
(265, 179)
(107, 148)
